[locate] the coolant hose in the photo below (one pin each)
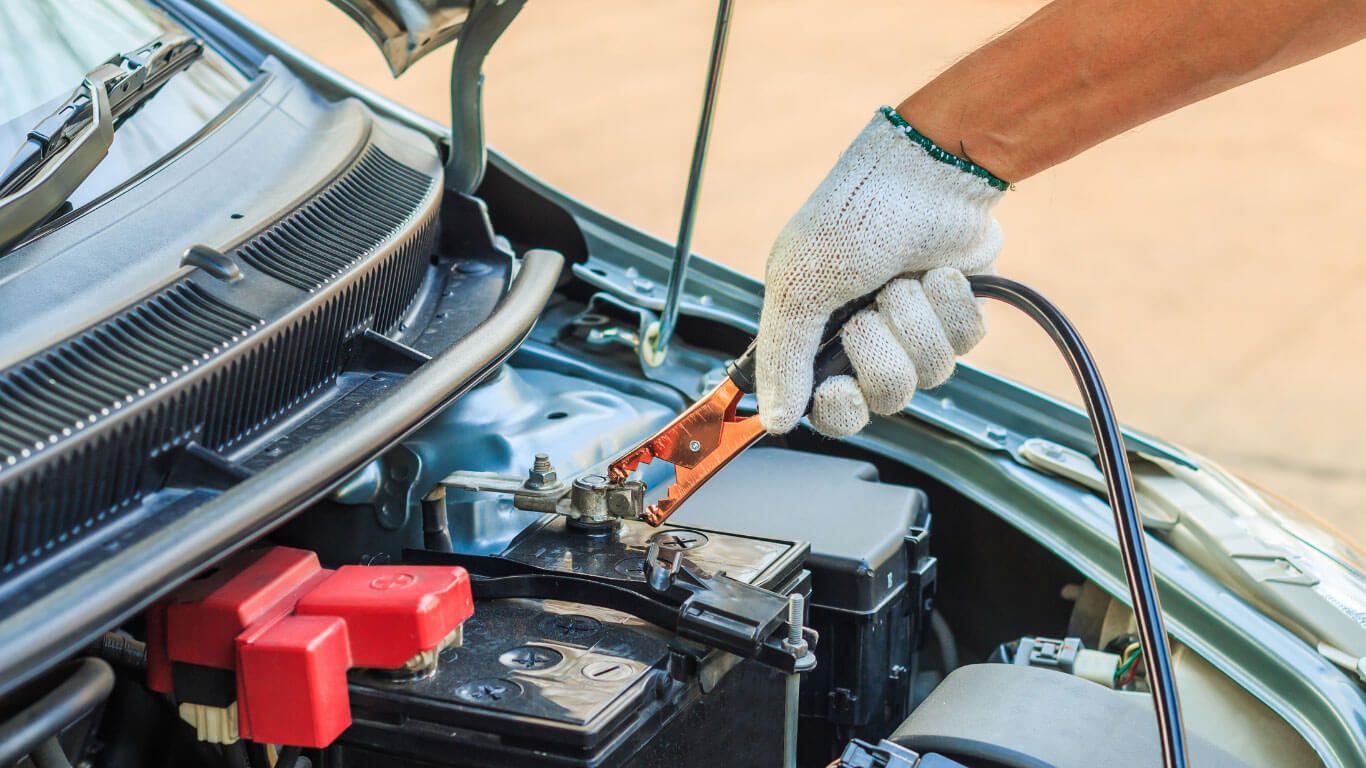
(1114, 462)
(85, 688)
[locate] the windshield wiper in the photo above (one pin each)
(64, 147)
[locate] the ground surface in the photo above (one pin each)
(1213, 259)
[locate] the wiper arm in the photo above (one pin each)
(64, 148)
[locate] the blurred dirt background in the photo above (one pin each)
(1213, 259)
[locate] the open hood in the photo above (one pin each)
(407, 30)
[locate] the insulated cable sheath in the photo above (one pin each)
(1114, 463)
(831, 360)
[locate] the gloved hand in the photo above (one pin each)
(899, 214)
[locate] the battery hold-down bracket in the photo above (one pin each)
(709, 608)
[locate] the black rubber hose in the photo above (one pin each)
(1114, 462)
(84, 689)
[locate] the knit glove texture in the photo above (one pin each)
(890, 217)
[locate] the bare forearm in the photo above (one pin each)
(1080, 71)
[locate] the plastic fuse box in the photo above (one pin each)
(872, 579)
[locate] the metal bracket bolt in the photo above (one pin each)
(795, 642)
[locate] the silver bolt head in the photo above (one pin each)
(695, 446)
(591, 482)
(537, 479)
(541, 475)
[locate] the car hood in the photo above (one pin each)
(407, 30)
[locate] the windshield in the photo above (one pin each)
(47, 46)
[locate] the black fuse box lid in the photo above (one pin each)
(856, 525)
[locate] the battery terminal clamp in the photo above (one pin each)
(592, 502)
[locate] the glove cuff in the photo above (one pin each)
(941, 154)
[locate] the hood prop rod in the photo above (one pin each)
(659, 337)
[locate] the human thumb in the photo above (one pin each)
(789, 337)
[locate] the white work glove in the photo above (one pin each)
(897, 214)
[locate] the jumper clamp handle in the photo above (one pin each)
(706, 436)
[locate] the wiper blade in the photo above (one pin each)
(63, 148)
(130, 79)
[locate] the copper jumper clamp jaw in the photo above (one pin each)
(710, 433)
(697, 443)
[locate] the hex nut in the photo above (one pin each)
(538, 479)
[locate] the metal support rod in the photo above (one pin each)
(791, 718)
(683, 247)
(1114, 462)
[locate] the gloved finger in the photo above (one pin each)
(980, 257)
(838, 409)
(958, 310)
(908, 312)
(885, 373)
(784, 358)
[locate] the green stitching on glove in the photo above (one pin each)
(941, 154)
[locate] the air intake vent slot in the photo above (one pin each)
(90, 376)
(331, 232)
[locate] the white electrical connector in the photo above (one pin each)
(1067, 655)
(1096, 666)
(212, 725)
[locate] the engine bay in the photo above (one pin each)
(569, 656)
(287, 563)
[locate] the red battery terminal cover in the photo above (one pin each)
(286, 631)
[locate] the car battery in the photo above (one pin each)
(553, 682)
(871, 573)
